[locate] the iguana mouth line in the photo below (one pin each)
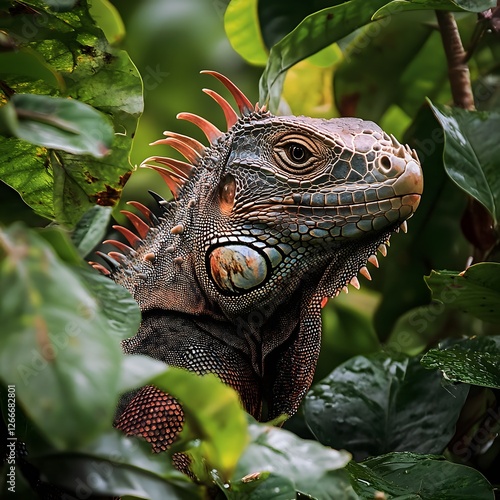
(411, 199)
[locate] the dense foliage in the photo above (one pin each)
(408, 385)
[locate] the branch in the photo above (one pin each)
(458, 71)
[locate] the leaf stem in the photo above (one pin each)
(458, 70)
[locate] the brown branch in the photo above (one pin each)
(458, 70)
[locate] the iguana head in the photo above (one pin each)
(270, 218)
(275, 199)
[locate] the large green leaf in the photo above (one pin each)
(91, 229)
(59, 342)
(213, 412)
(242, 29)
(115, 465)
(213, 415)
(472, 153)
(312, 468)
(473, 361)
(307, 88)
(475, 290)
(58, 123)
(407, 476)
(313, 34)
(56, 184)
(369, 406)
(453, 5)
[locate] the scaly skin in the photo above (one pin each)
(272, 217)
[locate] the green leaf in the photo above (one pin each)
(61, 243)
(56, 342)
(119, 309)
(307, 88)
(58, 123)
(473, 361)
(108, 19)
(417, 477)
(116, 465)
(242, 29)
(56, 184)
(278, 17)
(61, 5)
(313, 34)
(261, 486)
(313, 469)
(91, 229)
(213, 414)
(472, 153)
(475, 291)
(369, 405)
(417, 328)
(453, 5)
(139, 370)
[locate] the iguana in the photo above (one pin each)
(267, 221)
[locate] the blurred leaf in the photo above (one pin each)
(369, 406)
(418, 328)
(213, 414)
(116, 465)
(313, 469)
(56, 343)
(138, 370)
(61, 243)
(472, 153)
(475, 291)
(313, 34)
(417, 477)
(28, 62)
(61, 5)
(473, 361)
(108, 19)
(59, 185)
(242, 29)
(58, 123)
(453, 5)
(307, 88)
(346, 333)
(91, 229)
(118, 307)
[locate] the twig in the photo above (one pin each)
(458, 70)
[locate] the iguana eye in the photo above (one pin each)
(296, 154)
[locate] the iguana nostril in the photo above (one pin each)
(385, 164)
